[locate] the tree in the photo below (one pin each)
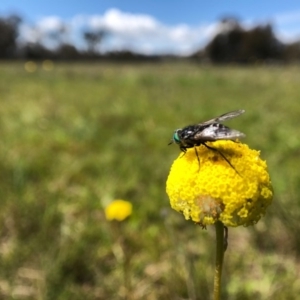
(67, 52)
(93, 38)
(235, 44)
(8, 36)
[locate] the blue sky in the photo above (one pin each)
(146, 26)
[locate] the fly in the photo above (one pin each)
(209, 131)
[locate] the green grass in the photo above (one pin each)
(79, 136)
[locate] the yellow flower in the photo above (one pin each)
(30, 66)
(47, 65)
(214, 190)
(118, 210)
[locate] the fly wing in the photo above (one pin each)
(224, 117)
(218, 132)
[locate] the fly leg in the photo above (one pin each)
(183, 149)
(197, 158)
(214, 149)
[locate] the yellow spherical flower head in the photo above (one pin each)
(118, 210)
(213, 190)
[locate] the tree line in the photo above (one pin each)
(233, 44)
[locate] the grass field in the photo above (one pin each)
(77, 137)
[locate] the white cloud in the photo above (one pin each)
(287, 18)
(143, 33)
(125, 23)
(50, 23)
(287, 26)
(29, 34)
(288, 36)
(126, 31)
(43, 29)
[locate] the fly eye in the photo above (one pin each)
(176, 137)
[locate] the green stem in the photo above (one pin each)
(220, 249)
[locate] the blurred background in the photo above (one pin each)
(91, 93)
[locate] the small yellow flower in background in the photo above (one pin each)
(214, 191)
(47, 65)
(30, 66)
(118, 210)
